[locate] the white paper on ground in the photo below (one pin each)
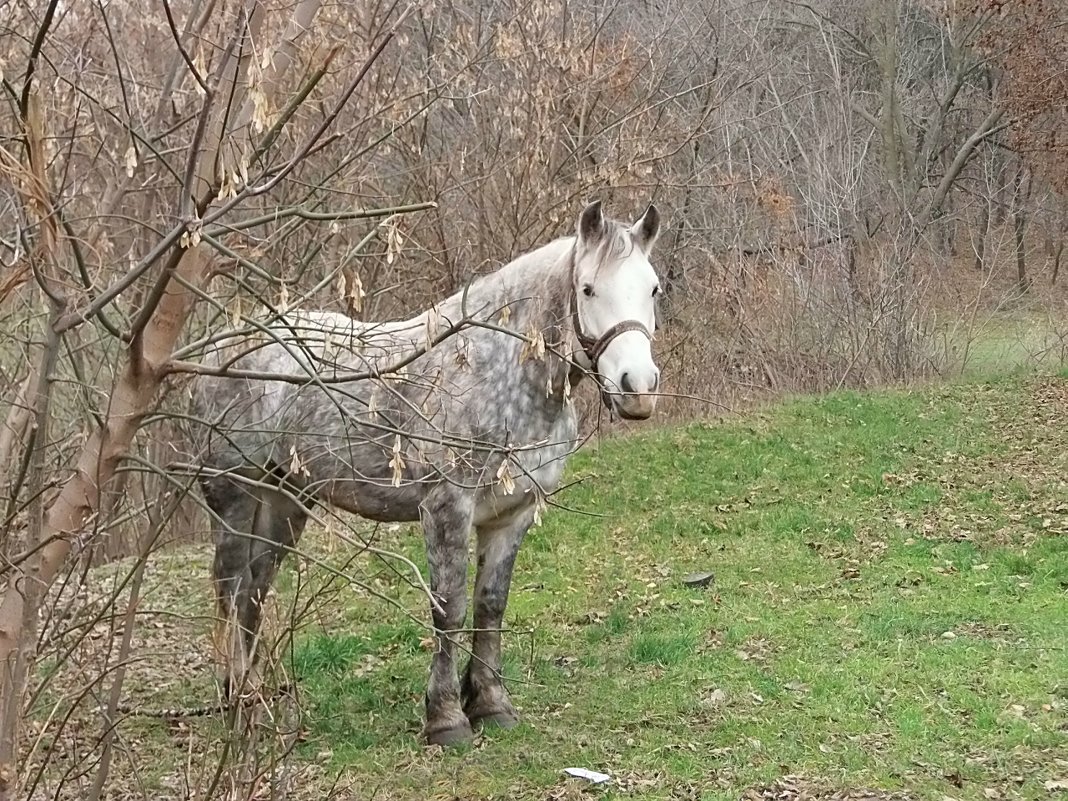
(589, 775)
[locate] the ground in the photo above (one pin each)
(887, 619)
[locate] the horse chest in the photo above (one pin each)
(534, 469)
(547, 464)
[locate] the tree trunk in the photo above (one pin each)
(132, 399)
(12, 436)
(1055, 246)
(1019, 225)
(1022, 185)
(980, 245)
(885, 29)
(852, 278)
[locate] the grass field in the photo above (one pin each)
(1013, 340)
(889, 613)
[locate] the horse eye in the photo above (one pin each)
(587, 290)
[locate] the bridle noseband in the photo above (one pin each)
(594, 348)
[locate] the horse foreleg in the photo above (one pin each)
(485, 698)
(446, 528)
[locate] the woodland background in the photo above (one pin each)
(853, 192)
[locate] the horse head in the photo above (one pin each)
(614, 289)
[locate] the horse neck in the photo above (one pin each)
(537, 290)
(533, 286)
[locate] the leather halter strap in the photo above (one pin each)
(595, 348)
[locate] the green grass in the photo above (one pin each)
(1014, 340)
(889, 611)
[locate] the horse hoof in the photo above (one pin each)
(449, 736)
(503, 719)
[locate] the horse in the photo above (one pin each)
(460, 418)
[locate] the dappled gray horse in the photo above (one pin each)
(459, 418)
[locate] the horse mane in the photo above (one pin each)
(538, 288)
(530, 295)
(540, 270)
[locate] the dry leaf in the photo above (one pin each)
(716, 697)
(356, 293)
(431, 327)
(533, 346)
(131, 160)
(295, 463)
(504, 475)
(539, 507)
(394, 240)
(397, 462)
(259, 109)
(191, 236)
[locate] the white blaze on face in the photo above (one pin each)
(616, 283)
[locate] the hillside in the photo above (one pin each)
(888, 613)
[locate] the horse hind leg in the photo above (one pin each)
(277, 527)
(234, 509)
(259, 526)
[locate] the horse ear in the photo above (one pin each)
(591, 223)
(647, 227)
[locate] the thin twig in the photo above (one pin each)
(318, 216)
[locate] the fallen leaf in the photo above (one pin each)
(715, 698)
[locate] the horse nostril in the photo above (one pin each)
(624, 382)
(656, 382)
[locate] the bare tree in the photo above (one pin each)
(226, 155)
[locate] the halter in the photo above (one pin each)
(594, 347)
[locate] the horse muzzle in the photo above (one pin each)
(629, 403)
(623, 398)
(633, 407)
